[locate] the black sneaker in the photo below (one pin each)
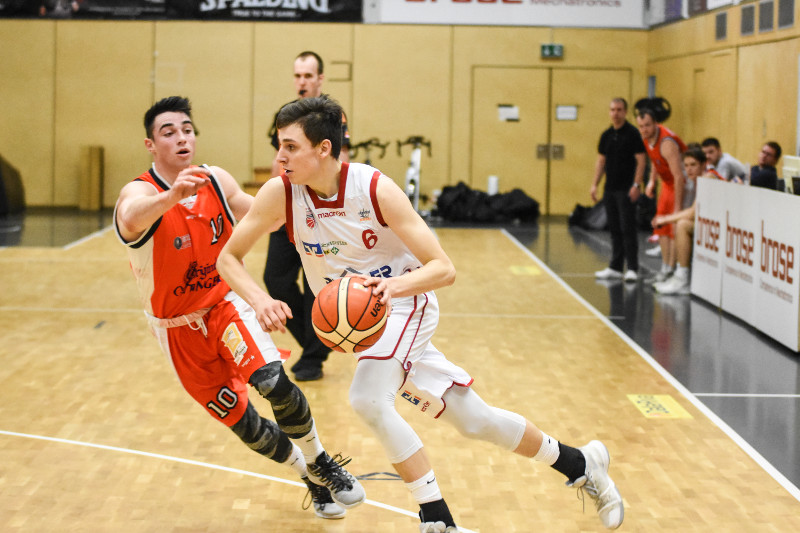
(329, 472)
(320, 496)
(308, 373)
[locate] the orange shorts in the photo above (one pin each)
(215, 365)
(665, 206)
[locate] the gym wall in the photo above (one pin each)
(77, 83)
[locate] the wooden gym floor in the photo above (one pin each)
(96, 433)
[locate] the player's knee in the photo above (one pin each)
(270, 379)
(478, 428)
(366, 406)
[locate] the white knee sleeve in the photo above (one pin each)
(475, 419)
(372, 396)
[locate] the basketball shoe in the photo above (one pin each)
(608, 273)
(329, 472)
(436, 527)
(599, 486)
(324, 506)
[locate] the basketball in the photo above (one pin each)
(347, 317)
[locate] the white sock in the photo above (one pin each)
(310, 444)
(425, 489)
(548, 453)
(665, 268)
(296, 461)
(682, 273)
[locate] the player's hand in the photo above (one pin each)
(593, 193)
(381, 287)
(634, 193)
(650, 189)
(272, 314)
(189, 181)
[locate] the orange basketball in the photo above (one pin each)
(347, 317)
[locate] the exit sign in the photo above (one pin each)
(552, 51)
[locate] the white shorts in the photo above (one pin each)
(407, 338)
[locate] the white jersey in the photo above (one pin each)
(346, 234)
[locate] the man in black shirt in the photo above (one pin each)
(621, 157)
(764, 174)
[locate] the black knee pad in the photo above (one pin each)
(262, 435)
(288, 402)
(270, 379)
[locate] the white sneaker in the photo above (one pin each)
(608, 273)
(329, 472)
(673, 285)
(436, 527)
(631, 275)
(659, 277)
(324, 506)
(655, 251)
(599, 486)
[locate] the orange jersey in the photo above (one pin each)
(175, 260)
(654, 152)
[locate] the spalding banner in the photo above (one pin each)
(278, 10)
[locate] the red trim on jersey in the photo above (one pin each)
(403, 334)
(319, 203)
(444, 402)
(373, 196)
(287, 186)
(714, 172)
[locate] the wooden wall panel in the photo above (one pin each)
(103, 87)
(26, 117)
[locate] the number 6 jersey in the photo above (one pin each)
(345, 234)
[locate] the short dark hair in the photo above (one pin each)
(777, 147)
(647, 112)
(177, 104)
(622, 101)
(309, 53)
(711, 141)
(695, 152)
(320, 118)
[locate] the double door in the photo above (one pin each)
(537, 129)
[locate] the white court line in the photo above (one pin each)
(743, 444)
(19, 309)
(745, 395)
(201, 464)
(504, 317)
(87, 238)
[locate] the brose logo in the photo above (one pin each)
(707, 232)
(777, 258)
(739, 243)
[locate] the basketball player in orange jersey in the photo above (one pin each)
(664, 149)
(377, 234)
(174, 219)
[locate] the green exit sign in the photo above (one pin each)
(552, 51)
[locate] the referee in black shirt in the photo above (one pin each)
(621, 157)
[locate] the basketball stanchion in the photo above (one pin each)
(412, 184)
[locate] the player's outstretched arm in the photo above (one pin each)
(140, 205)
(265, 216)
(437, 270)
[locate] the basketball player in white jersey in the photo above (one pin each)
(174, 219)
(349, 219)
